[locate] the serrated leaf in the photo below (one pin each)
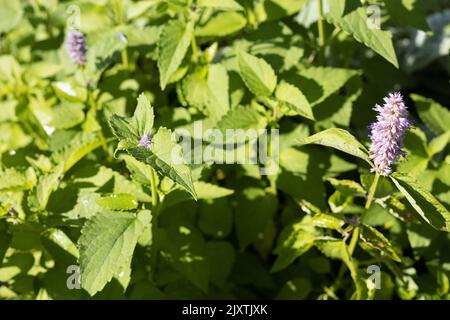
(294, 241)
(375, 239)
(294, 99)
(166, 158)
(217, 100)
(424, 203)
(339, 139)
(143, 115)
(356, 24)
(106, 244)
(241, 118)
(140, 171)
(257, 74)
(47, 183)
(13, 180)
(174, 41)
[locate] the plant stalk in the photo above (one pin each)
(321, 29)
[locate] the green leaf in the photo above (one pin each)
(375, 239)
(13, 180)
(81, 144)
(257, 74)
(10, 15)
(106, 245)
(60, 246)
(140, 172)
(166, 158)
(294, 241)
(339, 139)
(221, 24)
(410, 13)
(347, 187)
(355, 23)
(69, 91)
(174, 41)
(47, 183)
(242, 118)
(435, 116)
(207, 190)
(424, 203)
(123, 201)
(217, 100)
(143, 116)
(324, 220)
(439, 143)
(294, 99)
(220, 4)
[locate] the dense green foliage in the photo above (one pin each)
(82, 190)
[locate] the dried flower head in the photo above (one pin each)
(146, 141)
(387, 133)
(76, 46)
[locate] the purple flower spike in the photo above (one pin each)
(146, 141)
(76, 46)
(387, 133)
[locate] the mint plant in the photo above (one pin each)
(232, 149)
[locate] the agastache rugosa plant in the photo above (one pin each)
(77, 48)
(387, 133)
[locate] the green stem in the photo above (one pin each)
(372, 190)
(321, 29)
(124, 55)
(194, 49)
(356, 231)
(154, 186)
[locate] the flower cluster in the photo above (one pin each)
(387, 133)
(146, 141)
(77, 48)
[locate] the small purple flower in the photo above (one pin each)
(76, 46)
(121, 37)
(387, 133)
(146, 141)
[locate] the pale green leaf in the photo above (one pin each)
(121, 201)
(106, 244)
(257, 74)
(339, 139)
(294, 99)
(174, 41)
(13, 180)
(356, 23)
(10, 14)
(424, 203)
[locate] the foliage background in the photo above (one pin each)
(67, 199)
